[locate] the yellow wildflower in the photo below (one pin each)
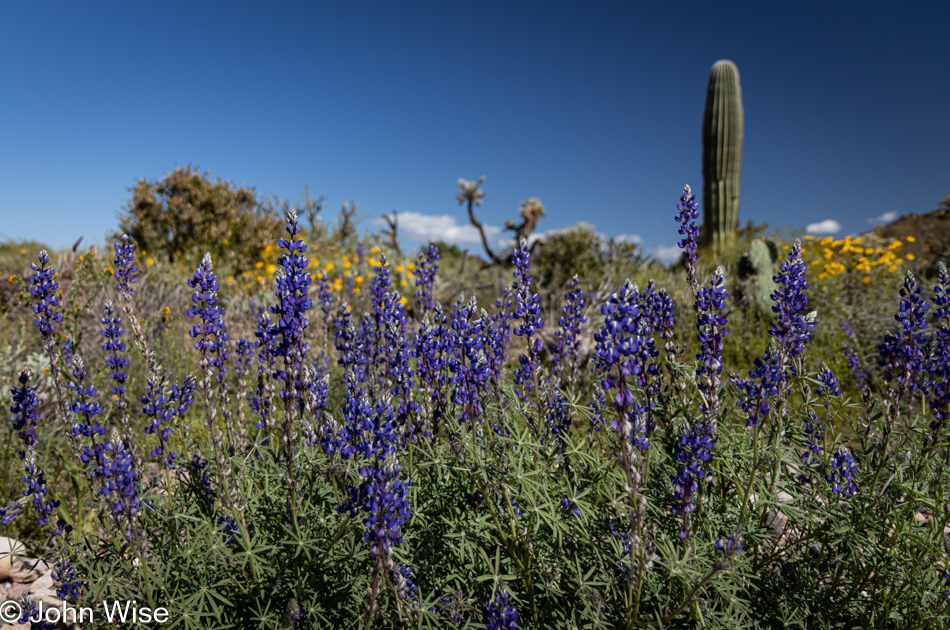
(866, 280)
(259, 264)
(400, 269)
(375, 250)
(910, 239)
(270, 269)
(149, 261)
(358, 280)
(909, 256)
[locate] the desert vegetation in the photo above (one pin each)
(263, 422)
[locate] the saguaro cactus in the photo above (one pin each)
(722, 155)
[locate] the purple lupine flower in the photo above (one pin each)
(468, 363)
(125, 268)
(211, 340)
(847, 329)
(659, 310)
(693, 454)
(902, 355)
(499, 615)
(9, 512)
(120, 484)
(381, 497)
(730, 546)
(204, 306)
(711, 325)
(387, 324)
(793, 322)
(65, 574)
(857, 369)
(69, 349)
(24, 412)
(261, 400)
(408, 412)
(828, 382)
(841, 474)
(567, 339)
(349, 343)
(626, 540)
(570, 508)
(558, 414)
(36, 487)
(688, 213)
(426, 270)
(83, 409)
(814, 441)
(115, 348)
(527, 309)
(431, 365)
(623, 358)
(30, 614)
(755, 392)
(45, 293)
(402, 580)
(161, 410)
(450, 603)
(939, 363)
(196, 475)
(498, 334)
(292, 301)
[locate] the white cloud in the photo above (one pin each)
(441, 227)
(887, 217)
(828, 226)
(666, 253)
(635, 239)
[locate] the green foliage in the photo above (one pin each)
(723, 122)
(576, 250)
(187, 213)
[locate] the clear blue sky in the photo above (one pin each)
(595, 108)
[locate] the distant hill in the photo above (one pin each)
(931, 233)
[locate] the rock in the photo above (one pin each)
(43, 589)
(776, 523)
(26, 570)
(784, 497)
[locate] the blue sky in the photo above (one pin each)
(595, 108)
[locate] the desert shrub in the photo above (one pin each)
(189, 213)
(576, 250)
(333, 463)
